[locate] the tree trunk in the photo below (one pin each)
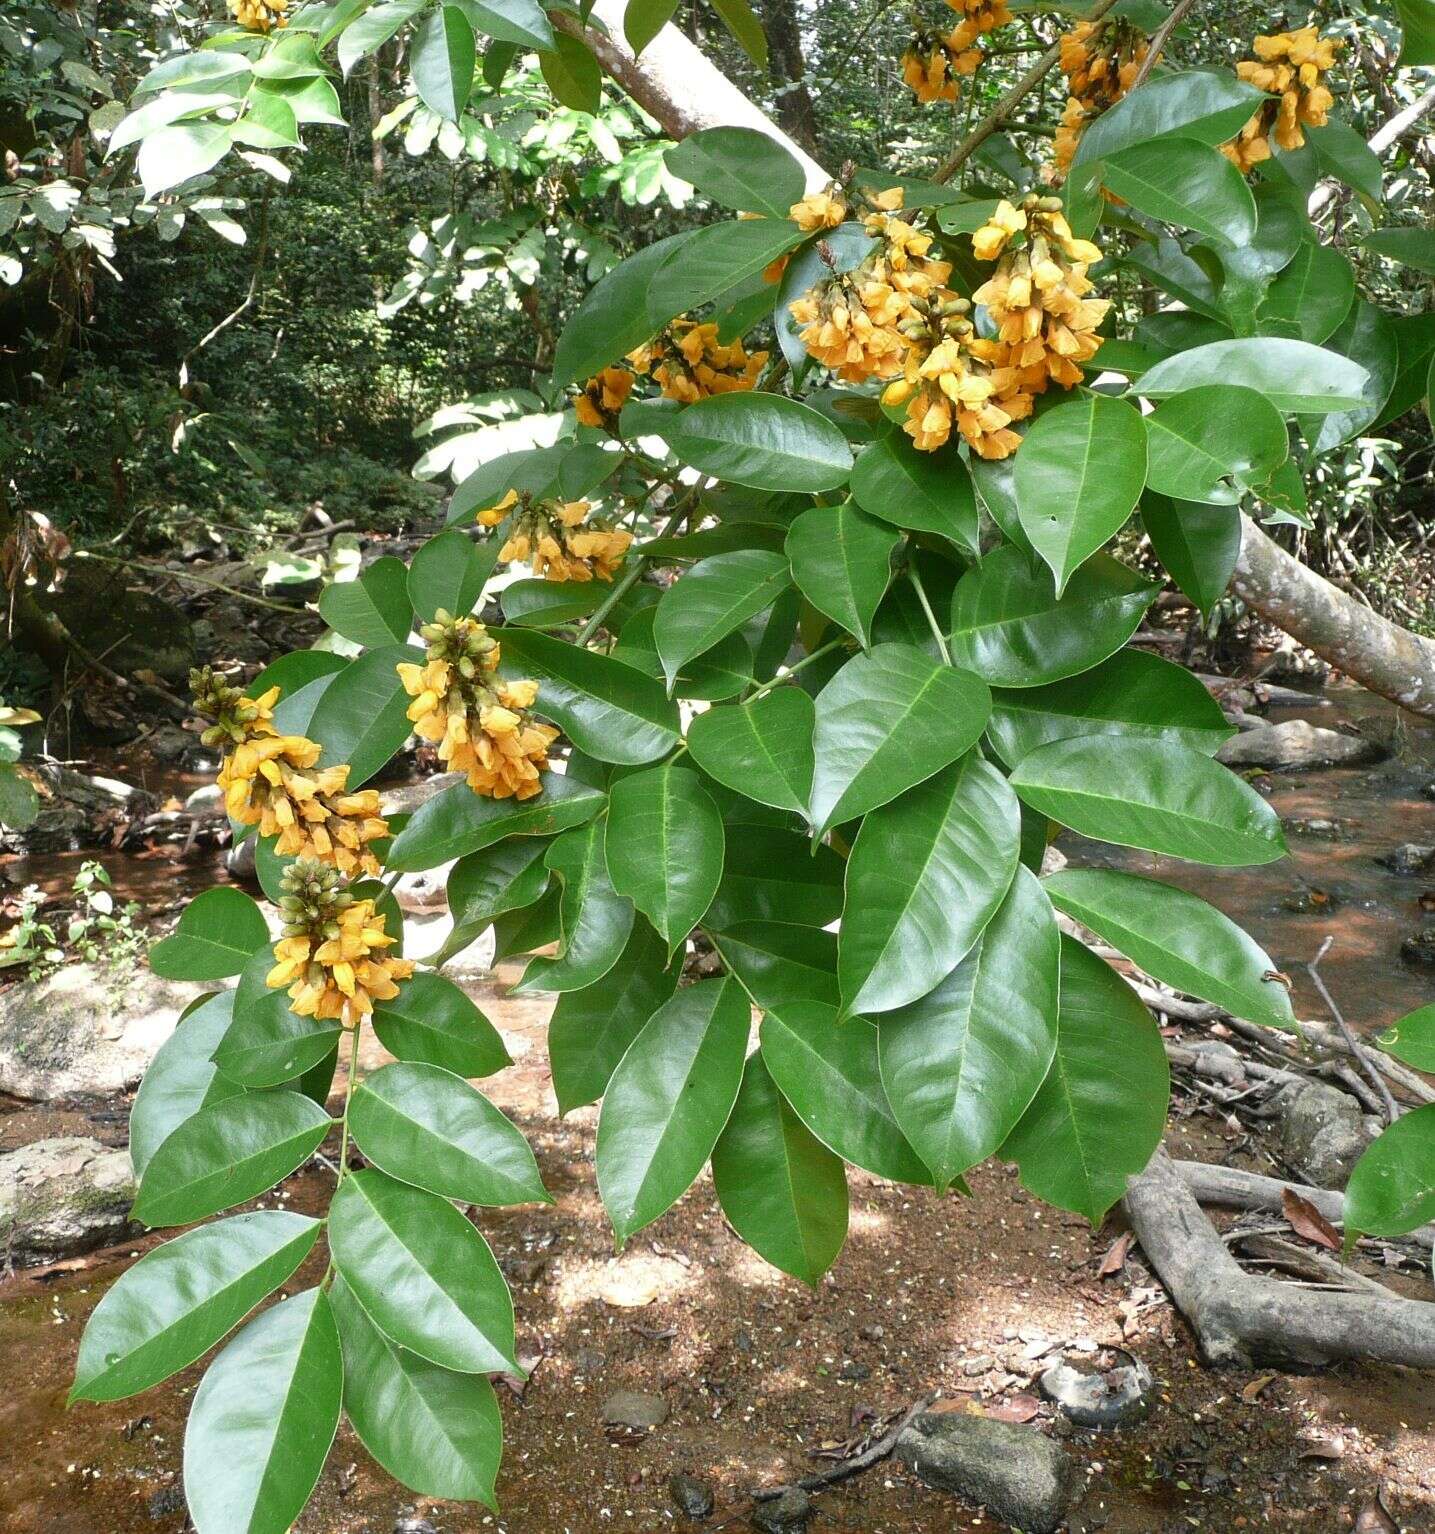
(787, 67)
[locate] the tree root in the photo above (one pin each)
(1242, 1320)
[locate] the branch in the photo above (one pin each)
(1159, 40)
(1387, 134)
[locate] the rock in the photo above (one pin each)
(787, 1514)
(588, 1361)
(424, 892)
(1020, 1475)
(852, 1370)
(872, 1333)
(133, 629)
(167, 1502)
(634, 1409)
(407, 797)
(62, 1196)
(169, 742)
(76, 810)
(1408, 858)
(692, 1498)
(208, 801)
(1322, 1131)
(1419, 948)
(1297, 746)
(86, 1030)
(1107, 1399)
(239, 860)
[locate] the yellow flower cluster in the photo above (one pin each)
(819, 210)
(689, 362)
(331, 957)
(1037, 295)
(603, 398)
(559, 540)
(1291, 66)
(1101, 60)
(260, 15)
(479, 723)
(978, 18)
(269, 780)
(933, 63)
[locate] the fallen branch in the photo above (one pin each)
(847, 1468)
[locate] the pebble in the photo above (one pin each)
(692, 1497)
(787, 1514)
(635, 1409)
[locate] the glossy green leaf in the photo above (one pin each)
(842, 249)
(768, 875)
(374, 609)
(458, 821)
(483, 885)
(1078, 477)
(926, 492)
(433, 1022)
(761, 749)
(595, 919)
(741, 20)
(1342, 152)
(541, 604)
(1198, 544)
(1177, 938)
(1412, 1039)
(521, 23)
(715, 259)
(668, 1101)
(449, 572)
(762, 440)
(1099, 1115)
(218, 932)
(571, 72)
(443, 56)
(1293, 375)
(171, 156)
(231, 1151)
(1417, 26)
(434, 1430)
(362, 718)
(428, 1127)
(927, 873)
(781, 1189)
(885, 722)
(781, 963)
(1205, 105)
(372, 29)
(1368, 338)
(263, 1420)
(178, 1300)
(1392, 1187)
(1182, 182)
(1010, 628)
(1414, 347)
(1411, 245)
(608, 710)
(664, 848)
(591, 1029)
(1213, 443)
(828, 1071)
(536, 926)
(961, 1065)
(741, 168)
(291, 672)
(643, 20)
(267, 1044)
(1156, 794)
(1310, 297)
(712, 600)
(842, 562)
(1133, 693)
(424, 1276)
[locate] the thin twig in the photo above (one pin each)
(635, 570)
(1392, 1112)
(1159, 39)
(164, 572)
(859, 1462)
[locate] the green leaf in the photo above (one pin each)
(961, 1065)
(571, 72)
(1198, 544)
(434, 1430)
(842, 249)
(611, 321)
(778, 963)
(763, 440)
(1078, 477)
(267, 1044)
(828, 1070)
(217, 933)
(431, 1021)
(842, 562)
(885, 722)
(740, 168)
(443, 57)
(714, 260)
(368, 32)
(721, 672)
(1412, 246)
(1414, 346)
(231, 1151)
(1392, 1187)
(1412, 1039)
(1369, 339)
(202, 67)
(522, 23)
(459, 821)
(541, 471)
(1207, 106)
(1310, 297)
(591, 1029)
(1101, 1111)
(927, 873)
(424, 1276)
(740, 19)
(596, 921)
(1186, 183)
(610, 711)
(769, 876)
(294, 671)
(182, 1078)
(1176, 937)
(643, 20)
(1213, 443)
(525, 931)
(1295, 376)
(178, 1300)
(544, 604)
(664, 848)
(269, 122)
(1417, 25)
(19, 803)
(714, 599)
(485, 884)
(428, 1127)
(995, 483)
(781, 1189)
(1156, 794)
(263, 1420)
(925, 492)
(1009, 626)
(668, 1101)
(1133, 693)
(761, 749)
(174, 155)
(362, 718)
(374, 609)
(449, 572)
(1344, 154)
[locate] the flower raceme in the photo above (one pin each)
(559, 540)
(978, 18)
(332, 955)
(603, 398)
(933, 63)
(260, 15)
(1291, 66)
(1101, 60)
(688, 362)
(479, 723)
